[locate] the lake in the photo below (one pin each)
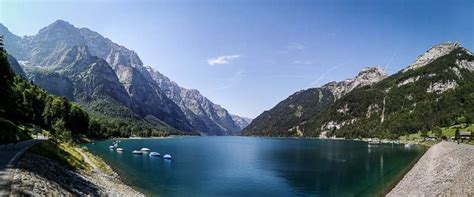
(251, 166)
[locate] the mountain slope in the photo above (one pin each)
(48, 50)
(201, 112)
(61, 58)
(240, 121)
(437, 90)
(291, 116)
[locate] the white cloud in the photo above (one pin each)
(226, 59)
(302, 62)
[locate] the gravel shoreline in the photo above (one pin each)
(39, 176)
(446, 169)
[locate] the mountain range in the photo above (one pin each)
(436, 90)
(109, 80)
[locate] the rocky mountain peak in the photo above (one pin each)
(367, 76)
(61, 24)
(59, 27)
(432, 54)
(371, 73)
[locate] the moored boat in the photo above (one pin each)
(407, 145)
(154, 154)
(167, 156)
(137, 152)
(374, 142)
(145, 150)
(119, 149)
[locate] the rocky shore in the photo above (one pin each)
(39, 176)
(446, 169)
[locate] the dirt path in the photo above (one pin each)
(446, 169)
(87, 160)
(8, 159)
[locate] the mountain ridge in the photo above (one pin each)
(47, 51)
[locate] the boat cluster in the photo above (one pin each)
(142, 151)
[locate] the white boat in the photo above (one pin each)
(119, 149)
(145, 150)
(374, 142)
(167, 156)
(137, 152)
(111, 147)
(154, 154)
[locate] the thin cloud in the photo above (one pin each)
(296, 46)
(226, 59)
(323, 76)
(302, 62)
(232, 80)
(293, 47)
(389, 63)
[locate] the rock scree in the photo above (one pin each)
(446, 169)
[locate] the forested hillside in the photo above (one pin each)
(438, 93)
(437, 90)
(23, 103)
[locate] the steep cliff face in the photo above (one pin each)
(203, 114)
(292, 116)
(15, 66)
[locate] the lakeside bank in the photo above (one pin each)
(446, 169)
(39, 175)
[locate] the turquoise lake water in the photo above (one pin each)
(249, 166)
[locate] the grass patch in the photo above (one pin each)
(64, 153)
(446, 131)
(69, 154)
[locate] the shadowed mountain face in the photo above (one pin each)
(436, 90)
(88, 68)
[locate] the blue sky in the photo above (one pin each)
(249, 55)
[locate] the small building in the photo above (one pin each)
(465, 135)
(430, 138)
